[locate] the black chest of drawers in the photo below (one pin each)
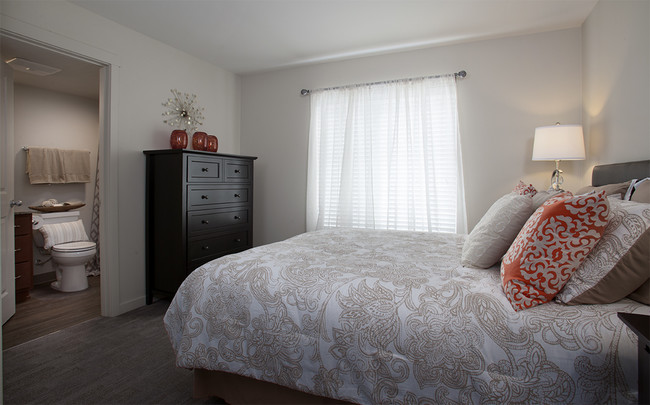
(199, 206)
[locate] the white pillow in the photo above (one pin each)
(55, 234)
(493, 235)
(639, 191)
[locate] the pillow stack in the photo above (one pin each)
(591, 248)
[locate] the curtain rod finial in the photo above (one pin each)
(461, 74)
(304, 92)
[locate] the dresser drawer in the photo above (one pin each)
(238, 171)
(23, 248)
(212, 247)
(24, 272)
(211, 220)
(206, 196)
(22, 224)
(203, 169)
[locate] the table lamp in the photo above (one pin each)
(558, 142)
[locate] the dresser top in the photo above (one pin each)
(194, 152)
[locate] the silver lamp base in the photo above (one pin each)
(556, 178)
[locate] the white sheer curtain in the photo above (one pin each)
(386, 156)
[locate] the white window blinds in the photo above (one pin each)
(386, 156)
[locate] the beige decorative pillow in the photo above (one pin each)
(610, 189)
(493, 235)
(618, 264)
(54, 234)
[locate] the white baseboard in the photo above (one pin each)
(132, 304)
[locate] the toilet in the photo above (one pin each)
(63, 235)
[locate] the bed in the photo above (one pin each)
(364, 316)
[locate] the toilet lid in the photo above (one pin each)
(72, 247)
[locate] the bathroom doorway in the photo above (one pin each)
(73, 96)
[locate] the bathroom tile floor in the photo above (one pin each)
(48, 311)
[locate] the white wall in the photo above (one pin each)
(616, 80)
(52, 119)
(147, 71)
(513, 85)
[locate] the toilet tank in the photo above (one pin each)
(42, 218)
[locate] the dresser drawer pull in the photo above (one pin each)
(237, 217)
(204, 169)
(237, 196)
(237, 240)
(18, 249)
(18, 276)
(205, 221)
(204, 197)
(205, 247)
(16, 226)
(237, 171)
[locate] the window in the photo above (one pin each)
(386, 156)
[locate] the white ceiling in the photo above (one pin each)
(248, 36)
(76, 77)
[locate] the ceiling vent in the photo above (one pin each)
(27, 66)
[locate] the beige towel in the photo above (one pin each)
(57, 166)
(45, 166)
(76, 166)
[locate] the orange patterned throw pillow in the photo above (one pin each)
(551, 246)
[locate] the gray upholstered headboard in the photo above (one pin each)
(619, 172)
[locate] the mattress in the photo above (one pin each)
(390, 316)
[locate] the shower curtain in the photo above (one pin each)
(92, 268)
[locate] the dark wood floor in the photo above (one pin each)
(48, 311)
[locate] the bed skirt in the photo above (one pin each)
(236, 389)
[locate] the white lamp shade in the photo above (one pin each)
(559, 142)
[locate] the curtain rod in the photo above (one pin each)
(461, 74)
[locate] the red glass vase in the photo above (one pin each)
(200, 141)
(178, 139)
(213, 143)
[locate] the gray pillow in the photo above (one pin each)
(542, 196)
(495, 232)
(610, 189)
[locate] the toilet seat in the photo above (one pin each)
(74, 247)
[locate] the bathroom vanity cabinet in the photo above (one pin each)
(199, 206)
(24, 258)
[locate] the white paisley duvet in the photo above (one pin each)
(391, 317)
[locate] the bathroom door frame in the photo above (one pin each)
(108, 150)
(8, 285)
